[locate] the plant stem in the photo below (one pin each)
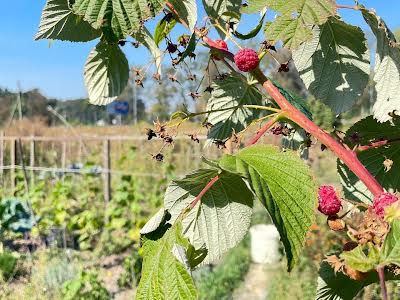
(376, 145)
(292, 113)
(277, 110)
(381, 274)
(263, 129)
(203, 191)
(355, 7)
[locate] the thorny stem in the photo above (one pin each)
(292, 113)
(381, 274)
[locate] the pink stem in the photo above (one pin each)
(262, 130)
(376, 145)
(203, 191)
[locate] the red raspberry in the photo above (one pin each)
(221, 44)
(383, 200)
(246, 59)
(329, 202)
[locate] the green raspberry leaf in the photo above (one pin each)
(284, 185)
(106, 73)
(144, 37)
(221, 219)
(334, 64)
(387, 68)
(127, 16)
(58, 22)
(225, 11)
(337, 286)
(187, 11)
(358, 259)
(391, 246)
(164, 276)
(294, 24)
(229, 95)
(163, 28)
(382, 162)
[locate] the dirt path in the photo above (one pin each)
(255, 285)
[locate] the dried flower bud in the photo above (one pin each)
(150, 134)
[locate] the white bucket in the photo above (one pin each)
(265, 244)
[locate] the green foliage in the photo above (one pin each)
(386, 69)
(58, 22)
(334, 65)
(15, 216)
(322, 115)
(295, 100)
(125, 16)
(253, 33)
(190, 47)
(225, 11)
(145, 37)
(298, 284)
(106, 73)
(8, 264)
(284, 185)
(86, 286)
(209, 210)
(222, 215)
(163, 28)
(229, 95)
(164, 275)
(294, 24)
(223, 279)
(186, 10)
(363, 259)
(124, 217)
(154, 222)
(132, 270)
(365, 132)
(337, 286)
(391, 247)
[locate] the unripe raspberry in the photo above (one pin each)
(246, 59)
(335, 223)
(221, 44)
(382, 201)
(329, 202)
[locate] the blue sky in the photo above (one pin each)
(57, 70)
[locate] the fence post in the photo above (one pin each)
(63, 157)
(2, 156)
(106, 174)
(13, 156)
(32, 159)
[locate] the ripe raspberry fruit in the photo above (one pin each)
(246, 60)
(329, 202)
(382, 201)
(221, 44)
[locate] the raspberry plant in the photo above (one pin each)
(208, 211)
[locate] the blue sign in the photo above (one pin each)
(118, 108)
